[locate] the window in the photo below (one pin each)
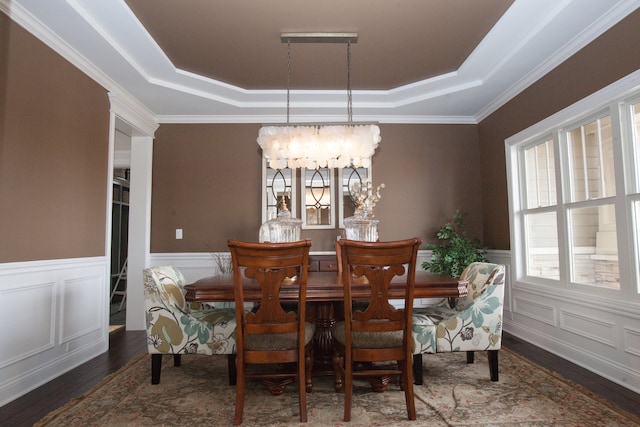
(575, 192)
(592, 220)
(541, 230)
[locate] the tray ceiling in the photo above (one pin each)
(415, 61)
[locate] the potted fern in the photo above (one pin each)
(454, 251)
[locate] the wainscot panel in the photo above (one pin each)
(53, 317)
(600, 334)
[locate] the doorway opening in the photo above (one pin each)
(119, 248)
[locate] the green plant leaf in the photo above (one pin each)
(455, 251)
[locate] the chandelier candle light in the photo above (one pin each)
(319, 145)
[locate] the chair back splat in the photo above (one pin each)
(374, 330)
(269, 334)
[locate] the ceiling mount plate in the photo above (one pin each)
(319, 37)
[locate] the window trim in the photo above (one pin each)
(616, 98)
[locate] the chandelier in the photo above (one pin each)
(319, 145)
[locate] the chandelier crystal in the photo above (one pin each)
(319, 145)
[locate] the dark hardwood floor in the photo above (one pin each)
(616, 394)
(125, 345)
(26, 410)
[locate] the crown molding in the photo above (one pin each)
(590, 33)
(134, 113)
(463, 96)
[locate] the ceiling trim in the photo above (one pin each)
(608, 20)
(449, 98)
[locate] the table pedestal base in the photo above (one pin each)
(324, 319)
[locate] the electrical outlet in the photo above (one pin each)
(178, 233)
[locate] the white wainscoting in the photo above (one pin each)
(53, 317)
(597, 333)
(193, 266)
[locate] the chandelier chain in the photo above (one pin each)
(288, 77)
(319, 145)
(349, 95)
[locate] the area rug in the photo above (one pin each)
(454, 394)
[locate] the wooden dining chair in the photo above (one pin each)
(378, 332)
(269, 335)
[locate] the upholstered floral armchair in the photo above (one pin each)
(473, 323)
(177, 327)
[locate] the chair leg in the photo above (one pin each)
(240, 391)
(231, 366)
(177, 360)
(348, 387)
(417, 369)
(470, 356)
(156, 366)
(302, 388)
(308, 369)
(407, 373)
(338, 370)
(493, 364)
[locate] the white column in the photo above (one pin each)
(139, 228)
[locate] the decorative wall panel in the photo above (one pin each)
(20, 343)
(82, 307)
(534, 310)
(632, 341)
(590, 327)
(56, 318)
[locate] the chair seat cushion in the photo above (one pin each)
(368, 339)
(272, 342)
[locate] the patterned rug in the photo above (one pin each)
(453, 394)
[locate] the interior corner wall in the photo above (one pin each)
(207, 181)
(610, 57)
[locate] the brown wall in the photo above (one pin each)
(207, 181)
(612, 56)
(53, 159)
(54, 131)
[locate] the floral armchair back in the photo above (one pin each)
(173, 327)
(473, 324)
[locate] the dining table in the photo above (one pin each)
(325, 291)
(325, 286)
